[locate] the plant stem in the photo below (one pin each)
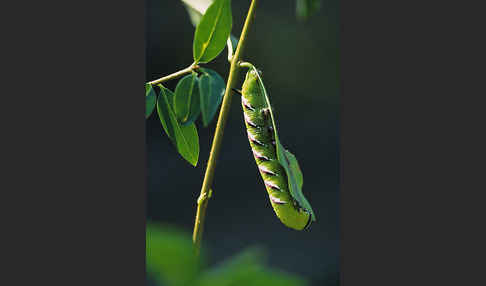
(218, 135)
(182, 72)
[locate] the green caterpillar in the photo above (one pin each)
(261, 135)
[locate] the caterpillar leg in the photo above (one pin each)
(238, 91)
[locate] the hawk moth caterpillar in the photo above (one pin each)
(261, 135)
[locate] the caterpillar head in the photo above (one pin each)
(252, 74)
(251, 84)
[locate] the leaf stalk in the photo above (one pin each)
(218, 136)
(175, 75)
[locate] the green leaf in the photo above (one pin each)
(287, 160)
(169, 255)
(186, 99)
(211, 90)
(212, 31)
(307, 8)
(294, 174)
(294, 165)
(184, 137)
(150, 99)
(196, 9)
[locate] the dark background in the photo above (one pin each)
(300, 64)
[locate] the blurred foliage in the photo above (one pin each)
(171, 262)
(196, 8)
(303, 8)
(169, 256)
(307, 8)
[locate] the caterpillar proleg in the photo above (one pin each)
(262, 136)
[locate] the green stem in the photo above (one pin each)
(182, 72)
(218, 135)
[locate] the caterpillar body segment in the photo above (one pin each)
(262, 142)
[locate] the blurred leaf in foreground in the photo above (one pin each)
(247, 268)
(170, 257)
(171, 262)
